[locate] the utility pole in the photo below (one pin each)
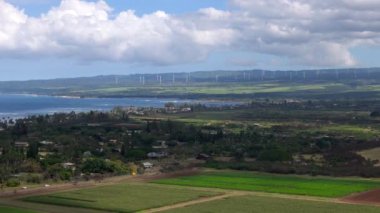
(173, 79)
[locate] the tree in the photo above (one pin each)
(20, 128)
(375, 113)
(32, 151)
(95, 165)
(10, 162)
(274, 154)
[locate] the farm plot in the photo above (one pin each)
(122, 197)
(14, 210)
(256, 204)
(284, 184)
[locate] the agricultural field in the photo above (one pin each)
(294, 185)
(257, 204)
(14, 210)
(122, 197)
(221, 89)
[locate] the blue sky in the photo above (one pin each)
(36, 7)
(233, 35)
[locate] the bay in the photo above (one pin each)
(20, 105)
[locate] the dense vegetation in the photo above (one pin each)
(279, 136)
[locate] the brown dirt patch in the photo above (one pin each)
(370, 197)
(183, 173)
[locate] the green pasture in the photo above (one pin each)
(222, 89)
(122, 197)
(4, 209)
(284, 184)
(256, 204)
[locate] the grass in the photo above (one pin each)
(122, 197)
(255, 204)
(359, 132)
(220, 89)
(295, 185)
(14, 210)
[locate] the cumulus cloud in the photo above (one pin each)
(90, 31)
(307, 32)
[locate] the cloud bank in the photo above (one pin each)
(306, 32)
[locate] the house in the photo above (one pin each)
(21, 144)
(116, 149)
(157, 154)
(68, 165)
(160, 145)
(147, 165)
(186, 109)
(43, 152)
(46, 143)
(113, 141)
(203, 156)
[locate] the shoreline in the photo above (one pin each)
(50, 104)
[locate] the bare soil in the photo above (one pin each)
(370, 197)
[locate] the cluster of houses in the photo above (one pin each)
(170, 109)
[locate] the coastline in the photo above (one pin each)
(24, 105)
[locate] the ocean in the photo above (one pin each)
(13, 106)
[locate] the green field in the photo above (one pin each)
(122, 197)
(255, 204)
(296, 185)
(223, 89)
(4, 209)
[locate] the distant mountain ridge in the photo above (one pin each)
(183, 79)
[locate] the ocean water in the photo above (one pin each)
(24, 105)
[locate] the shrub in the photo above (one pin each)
(34, 178)
(97, 165)
(274, 155)
(13, 182)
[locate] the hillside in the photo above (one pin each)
(206, 84)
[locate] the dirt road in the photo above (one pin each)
(198, 201)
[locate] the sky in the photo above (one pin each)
(44, 39)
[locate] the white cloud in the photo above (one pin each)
(307, 32)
